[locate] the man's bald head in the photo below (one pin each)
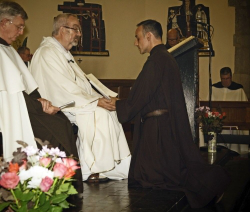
(173, 37)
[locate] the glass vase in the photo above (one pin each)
(210, 139)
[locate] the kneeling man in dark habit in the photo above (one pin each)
(24, 115)
(165, 156)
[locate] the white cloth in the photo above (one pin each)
(225, 94)
(102, 141)
(14, 118)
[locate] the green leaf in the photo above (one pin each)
(58, 192)
(55, 209)
(4, 205)
(64, 204)
(23, 208)
(72, 190)
(27, 196)
(64, 187)
(58, 198)
(45, 206)
(42, 198)
(18, 193)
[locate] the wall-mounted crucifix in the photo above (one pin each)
(190, 19)
(93, 42)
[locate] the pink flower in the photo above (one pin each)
(70, 163)
(60, 170)
(9, 180)
(45, 161)
(46, 184)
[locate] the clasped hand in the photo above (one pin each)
(108, 104)
(48, 107)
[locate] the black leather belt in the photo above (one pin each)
(158, 112)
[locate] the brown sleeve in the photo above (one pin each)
(35, 94)
(33, 105)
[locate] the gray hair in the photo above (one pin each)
(10, 9)
(61, 20)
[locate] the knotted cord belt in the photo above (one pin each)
(158, 112)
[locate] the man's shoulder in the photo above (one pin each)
(218, 85)
(46, 51)
(159, 53)
(235, 86)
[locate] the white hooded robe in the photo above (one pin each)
(14, 119)
(102, 144)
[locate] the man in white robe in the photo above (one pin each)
(228, 90)
(14, 79)
(102, 146)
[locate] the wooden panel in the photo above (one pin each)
(121, 86)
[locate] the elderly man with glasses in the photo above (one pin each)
(24, 115)
(102, 146)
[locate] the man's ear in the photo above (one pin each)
(3, 22)
(61, 30)
(148, 36)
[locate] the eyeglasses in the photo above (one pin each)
(20, 28)
(77, 30)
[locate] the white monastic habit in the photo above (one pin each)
(225, 94)
(102, 147)
(14, 119)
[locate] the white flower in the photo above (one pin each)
(33, 159)
(44, 152)
(34, 182)
(56, 152)
(24, 175)
(36, 173)
(59, 160)
(30, 150)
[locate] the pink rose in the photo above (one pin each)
(60, 170)
(9, 180)
(70, 163)
(45, 161)
(46, 184)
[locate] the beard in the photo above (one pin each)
(75, 41)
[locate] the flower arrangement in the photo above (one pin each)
(37, 180)
(209, 121)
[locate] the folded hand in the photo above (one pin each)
(106, 103)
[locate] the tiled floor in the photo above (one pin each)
(115, 196)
